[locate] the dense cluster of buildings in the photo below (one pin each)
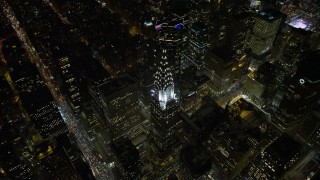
(170, 89)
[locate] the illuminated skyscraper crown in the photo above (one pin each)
(164, 85)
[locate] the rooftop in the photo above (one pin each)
(196, 160)
(308, 69)
(270, 15)
(199, 27)
(116, 85)
(284, 149)
(37, 98)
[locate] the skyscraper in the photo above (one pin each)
(169, 30)
(264, 32)
(294, 46)
(15, 156)
(38, 101)
(164, 103)
(201, 11)
(70, 81)
(237, 32)
(275, 159)
(197, 46)
(218, 67)
(167, 58)
(127, 156)
(301, 93)
(112, 97)
(44, 113)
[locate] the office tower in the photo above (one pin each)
(237, 33)
(230, 7)
(293, 48)
(264, 32)
(225, 20)
(177, 8)
(164, 103)
(60, 158)
(315, 40)
(309, 131)
(197, 47)
(201, 11)
(205, 119)
(301, 93)
(112, 97)
(55, 162)
(163, 99)
(218, 67)
(193, 89)
(71, 84)
(15, 156)
(275, 160)
(38, 102)
(265, 73)
(195, 162)
(12, 162)
(169, 35)
(127, 156)
(265, 76)
(96, 75)
(35, 96)
(156, 6)
(44, 113)
(92, 122)
(301, 169)
(146, 87)
(253, 88)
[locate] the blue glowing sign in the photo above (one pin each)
(179, 26)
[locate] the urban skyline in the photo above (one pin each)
(169, 89)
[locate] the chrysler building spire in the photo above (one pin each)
(164, 84)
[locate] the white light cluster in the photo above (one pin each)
(166, 95)
(164, 85)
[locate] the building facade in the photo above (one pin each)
(164, 103)
(265, 31)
